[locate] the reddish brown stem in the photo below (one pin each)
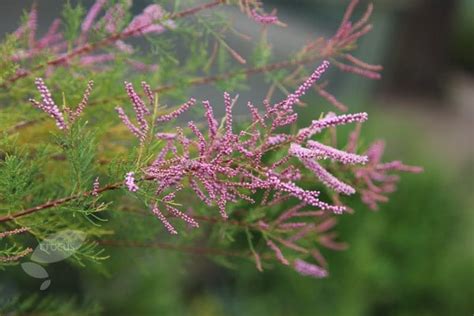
(57, 202)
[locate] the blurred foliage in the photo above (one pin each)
(463, 33)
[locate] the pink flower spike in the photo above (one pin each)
(92, 15)
(200, 137)
(221, 203)
(326, 225)
(308, 269)
(199, 193)
(330, 121)
(139, 107)
(325, 151)
(399, 166)
(112, 17)
(149, 93)
(375, 151)
(292, 225)
(276, 139)
(255, 115)
(278, 253)
(183, 108)
(124, 47)
(264, 19)
(32, 24)
(301, 152)
(145, 22)
(228, 114)
(164, 220)
(332, 99)
(136, 131)
(211, 121)
(293, 98)
(142, 67)
(359, 71)
(130, 182)
(85, 100)
(328, 179)
(48, 104)
(290, 213)
(165, 136)
(96, 59)
(182, 215)
(95, 187)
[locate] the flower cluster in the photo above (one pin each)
(294, 179)
(376, 177)
(141, 110)
(146, 22)
(222, 166)
(130, 182)
(48, 105)
(217, 175)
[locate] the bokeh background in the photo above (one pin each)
(413, 257)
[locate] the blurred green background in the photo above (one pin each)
(413, 257)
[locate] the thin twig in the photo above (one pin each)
(57, 202)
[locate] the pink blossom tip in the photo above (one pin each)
(309, 269)
(130, 182)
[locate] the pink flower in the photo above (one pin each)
(278, 253)
(330, 121)
(95, 187)
(264, 19)
(294, 97)
(164, 220)
(48, 105)
(173, 115)
(308, 269)
(327, 178)
(376, 178)
(136, 131)
(92, 15)
(146, 22)
(324, 151)
(130, 182)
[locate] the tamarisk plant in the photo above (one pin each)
(261, 179)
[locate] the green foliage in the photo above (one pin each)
(72, 19)
(7, 50)
(19, 173)
(79, 149)
(45, 305)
